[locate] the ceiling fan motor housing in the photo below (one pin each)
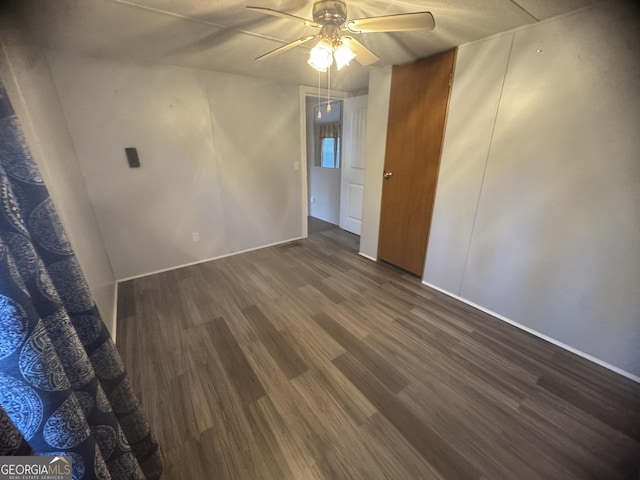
(330, 12)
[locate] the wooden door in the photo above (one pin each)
(417, 114)
(352, 183)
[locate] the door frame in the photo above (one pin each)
(304, 92)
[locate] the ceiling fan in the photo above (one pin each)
(335, 40)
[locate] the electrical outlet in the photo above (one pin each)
(195, 236)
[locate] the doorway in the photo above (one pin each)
(324, 157)
(344, 169)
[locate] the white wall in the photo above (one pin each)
(377, 117)
(217, 157)
(538, 200)
(324, 183)
(26, 76)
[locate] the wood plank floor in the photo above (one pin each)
(306, 361)
(316, 225)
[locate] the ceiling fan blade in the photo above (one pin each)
(364, 56)
(278, 13)
(393, 23)
(286, 47)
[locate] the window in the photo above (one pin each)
(327, 144)
(330, 152)
(327, 129)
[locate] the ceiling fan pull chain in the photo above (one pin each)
(329, 89)
(319, 103)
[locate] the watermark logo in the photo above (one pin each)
(35, 468)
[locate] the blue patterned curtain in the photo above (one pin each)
(63, 386)
(11, 440)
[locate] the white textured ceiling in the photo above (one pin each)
(222, 35)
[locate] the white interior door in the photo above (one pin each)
(353, 162)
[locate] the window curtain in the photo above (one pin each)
(326, 130)
(63, 386)
(11, 440)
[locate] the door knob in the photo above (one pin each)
(387, 175)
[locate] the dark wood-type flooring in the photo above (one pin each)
(315, 225)
(307, 361)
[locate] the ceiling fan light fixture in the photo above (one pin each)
(321, 56)
(330, 16)
(343, 55)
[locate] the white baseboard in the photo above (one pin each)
(369, 257)
(564, 346)
(197, 262)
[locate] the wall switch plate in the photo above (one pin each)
(313, 199)
(296, 165)
(132, 157)
(195, 236)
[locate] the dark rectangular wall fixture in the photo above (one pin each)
(132, 157)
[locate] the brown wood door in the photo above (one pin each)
(417, 114)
